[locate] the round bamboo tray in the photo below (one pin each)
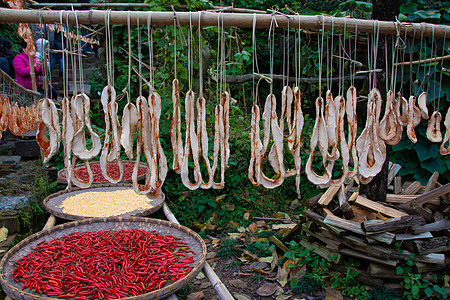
(52, 202)
(195, 242)
(63, 180)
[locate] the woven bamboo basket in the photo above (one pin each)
(195, 242)
(53, 201)
(61, 176)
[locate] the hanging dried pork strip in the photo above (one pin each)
(410, 128)
(422, 100)
(225, 101)
(48, 118)
(340, 105)
(352, 128)
(388, 125)
(256, 147)
(319, 138)
(129, 125)
(175, 129)
(445, 150)
(80, 102)
(203, 140)
(402, 116)
(371, 149)
(331, 116)
(434, 127)
(68, 131)
(108, 100)
(191, 145)
(159, 161)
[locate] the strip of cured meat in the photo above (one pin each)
(68, 132)
(434, 127)
(350, 106)
(403, 115)
(410, 128)
(80, 102)
(422, 100)
(143, 140)
(108, 100)
(256, 147)
(371, 149)
(48, 116)
(159, 160)
(203, 140)
(388, 125)
(331, 123)
(225, 101)
(191, 145)
(129, 125)
(445, 150)
(175, 129)
(270, 121)
(341, 108)
(295, 132)
(219, 146)
(319, 138)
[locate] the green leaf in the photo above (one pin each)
(424, 152)
(438, 289)
(434, 91)
(401, 17)
(434, 165)
(430, 14)
(400, 270)
(415, 290)
(410, 263)
(294, 282)
(428, 292)
(201, 208)
(408, 8)
(404, 144)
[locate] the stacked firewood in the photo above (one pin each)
(411, 224)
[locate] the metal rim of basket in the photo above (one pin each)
(156, 294)
(156, 202)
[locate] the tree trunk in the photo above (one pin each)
(383, 10)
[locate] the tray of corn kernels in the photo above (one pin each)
(102, 201)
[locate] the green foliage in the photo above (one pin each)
(261, 249)
(307, 284)
(227, 249)
(383, 294)
(233, 265)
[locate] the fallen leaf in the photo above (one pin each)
(274, 262)
(233, 224)
(282, 276)
(237, 283)
(283, 297)
(215, 242)
(241, 296)
(278, 215)
(258, 265)
(246, 216)
(252, 227)
(195, 296)
(230, 206)
(267, 259)
(220, 197)
(236, 235)
(211, 254)
(200, 275)
(245, 274)
(205, 285)
(297, 272)
(3, 234)
(261, 223)
(248, 253)
(333, 294)
(241, 229)
(266, 290)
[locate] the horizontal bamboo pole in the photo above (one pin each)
(228, 19)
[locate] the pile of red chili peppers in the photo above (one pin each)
(104, 264)
(82, 173)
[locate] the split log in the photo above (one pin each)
(328, 195)
(360, 255)
(436, 226)
(392, 224)
(376, 206)
(331, 242)
(413, 188)
(279, 244)
(431, 258)
(293, 233)
(423, 268)
(432, 182)
(385, 237)
(379, 271)
(426, 197)
(313, 200)
(408, 236)
(322, 251)
(437, 244)
(393, 170)
(397, 185)
(344, 224)
(400, 199)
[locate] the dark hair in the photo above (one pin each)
(5, 47)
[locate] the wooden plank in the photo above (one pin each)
(360, 255)
(313, 200)
(400, 199)
(278, 243)
(369, 204)
(397, 185)
(322, 251)
(332, 242)
(426, 197)
(344, 224)
(328, 195)
(423, 267)
(319, 220)
(432, 182)
(436, 226)
(408, 236)
(392, 224)
(380, 271)
(413, 188)
(432, 258)
(293, 233)
(283, 226)
(385, 237)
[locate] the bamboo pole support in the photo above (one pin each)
(50, 222)
(217, 284)
(207, 18)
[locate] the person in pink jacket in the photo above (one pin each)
(21, 66)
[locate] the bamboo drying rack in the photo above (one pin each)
(206, 18)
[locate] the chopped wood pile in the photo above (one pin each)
(411, 223)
